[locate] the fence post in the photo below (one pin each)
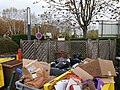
(115, 42)
(21, 47)
(109, 48)
(35, 49)
(98, 52)
(48, 50)
(89, 55)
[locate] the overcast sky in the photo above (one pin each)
(23, 4)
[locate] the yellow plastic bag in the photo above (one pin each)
(108, 86)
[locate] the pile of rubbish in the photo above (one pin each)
(61, 64)
(75, 73)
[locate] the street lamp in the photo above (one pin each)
(29, 22)
(24, 17)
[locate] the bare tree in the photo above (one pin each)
(16, 20)
(2, 28)
(61, 22)
(82, 11)
(11, 16)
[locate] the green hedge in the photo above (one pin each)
(17, 38)
(100, 38)
(8, 46)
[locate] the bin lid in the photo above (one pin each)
(12, 63)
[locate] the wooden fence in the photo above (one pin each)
(45, 50)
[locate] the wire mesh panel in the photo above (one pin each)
(68, 47)
(104, 49)
(78, 47)
(93, 49)
(112, 49)
(52, 50)
(60, 45)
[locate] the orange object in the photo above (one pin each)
(73, 76)
(19, 54)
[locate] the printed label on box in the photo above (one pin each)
(34, 75)
(31, 69)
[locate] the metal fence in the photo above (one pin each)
(45, 50)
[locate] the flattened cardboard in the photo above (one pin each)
(82, 74)
(45, 66)
(26, 61)
(108, 80)
(99, 68)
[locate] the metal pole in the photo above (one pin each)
(29, 22)
(102, 29)
(24, 23)
(119, 28)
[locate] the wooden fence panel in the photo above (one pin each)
(45, 50)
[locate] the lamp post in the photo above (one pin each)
(119, 27)
(24, 16)
(29, 22)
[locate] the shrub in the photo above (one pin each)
(17, 38)
(92, 34)
(8, 46)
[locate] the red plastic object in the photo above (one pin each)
(19, 54)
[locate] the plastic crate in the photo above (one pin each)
(50, 85)
(20, 86)
(1, 76)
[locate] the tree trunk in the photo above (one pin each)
(84, 31)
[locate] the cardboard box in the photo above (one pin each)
(31, 67)
(34, 69)
(26, 61)
(82, 74)
(45, 66)
(99, 68)
(108, 80)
